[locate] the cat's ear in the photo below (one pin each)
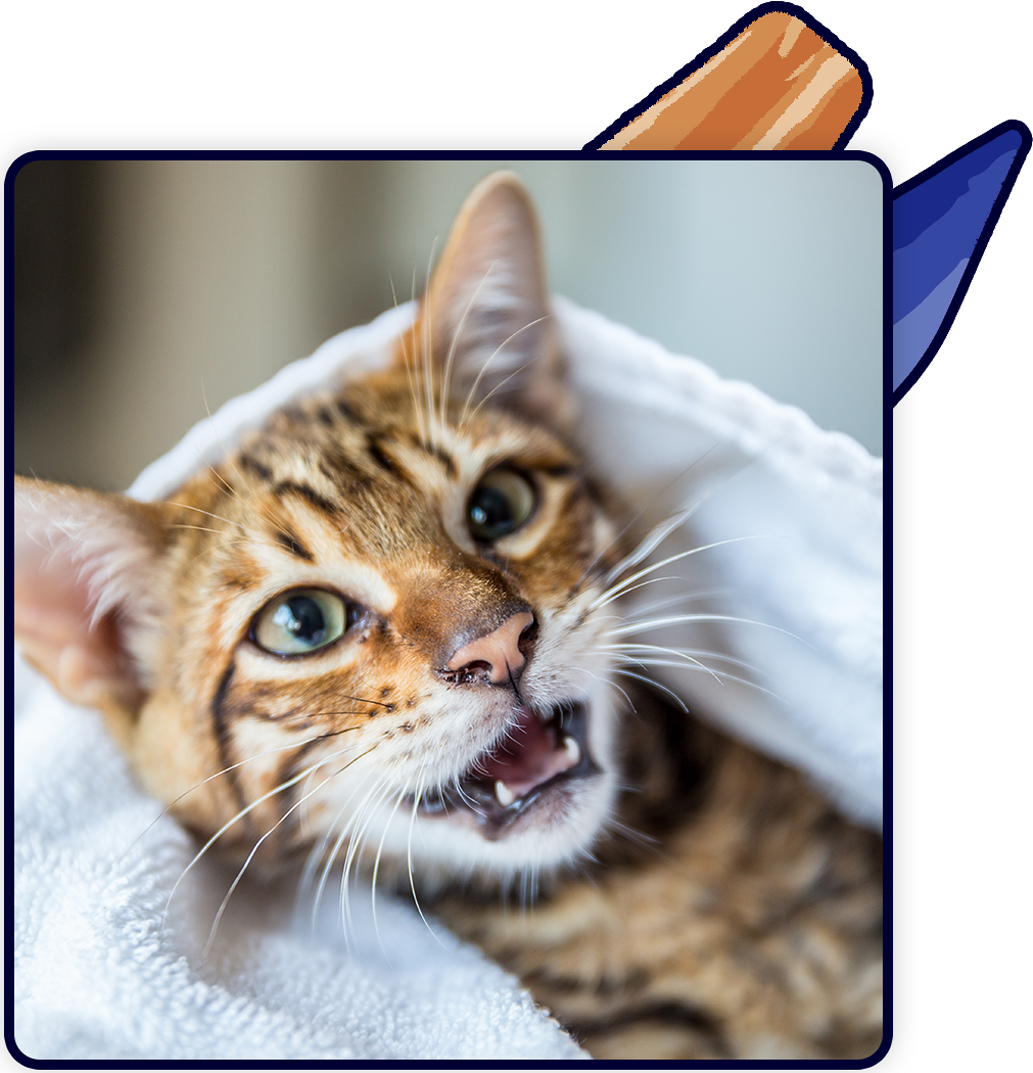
(486, 312)
(85, 574)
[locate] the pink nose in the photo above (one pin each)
(495, 657)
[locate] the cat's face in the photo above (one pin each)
(398, 623)
(380, 622)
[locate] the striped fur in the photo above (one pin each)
(664, 891)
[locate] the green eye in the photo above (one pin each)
(302, 621)
(500, 504)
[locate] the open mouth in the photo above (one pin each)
(538, 754)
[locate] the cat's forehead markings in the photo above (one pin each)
(333, 566)
(439, 452)
(291, 535)
(459, 452)
(288, 539)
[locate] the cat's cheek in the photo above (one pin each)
(173, 757)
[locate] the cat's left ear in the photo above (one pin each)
(486, 313)
(86, 581)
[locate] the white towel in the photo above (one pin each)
(109, 967)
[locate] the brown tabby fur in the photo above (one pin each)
(749, 925)
(725, 910)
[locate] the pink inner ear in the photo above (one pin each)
(51, 598)
(64, 540)
(52, 622)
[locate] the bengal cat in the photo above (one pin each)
(379, 634)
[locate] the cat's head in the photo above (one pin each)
(381, 622)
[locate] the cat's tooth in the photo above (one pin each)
(504, 794)
(572, 749)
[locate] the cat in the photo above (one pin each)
(390, 609)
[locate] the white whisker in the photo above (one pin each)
(622, 586)
(653, 682)
(671, 620)
(484, 368)
(669, 651)
(279, 788)
(454, 345)
(218, 774)
(683, 515)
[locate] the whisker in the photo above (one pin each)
(680, 514)
(610, 596)
(417, 796)
(428, 331)
(621, 585)
(232, 767)
(199, 528)
(279, 788)
(337, 846)
(376, 866)
(722, 676)
(254, 849)
(225, 454)
(227, 457)
(656, 684)
(653, 539)
(678, 598)
(671, 523)
(217, 517)
(409, 360)
(670, 651)
(353, 824)
(635, 627)
(454, 345)
(711, 653)
(357, 846)
(484, 368)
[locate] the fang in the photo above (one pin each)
(571, 748)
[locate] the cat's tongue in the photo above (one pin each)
(528, 757)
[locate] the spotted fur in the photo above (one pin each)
(664, 891)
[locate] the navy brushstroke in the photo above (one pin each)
(942, 221)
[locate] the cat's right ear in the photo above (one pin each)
(485, 320)
(86, 568)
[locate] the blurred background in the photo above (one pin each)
(149, 292)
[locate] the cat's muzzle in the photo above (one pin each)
(528, 771)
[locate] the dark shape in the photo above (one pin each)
(900, 136)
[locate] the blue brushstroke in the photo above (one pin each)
(915, 330)
(942, 221)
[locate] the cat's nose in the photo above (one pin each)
(496, 657)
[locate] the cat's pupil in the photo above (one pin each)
(502, 502)
(303, 621)
(303, 618)
(491, 510)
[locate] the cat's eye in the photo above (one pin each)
(302, 621)
(502, 502)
